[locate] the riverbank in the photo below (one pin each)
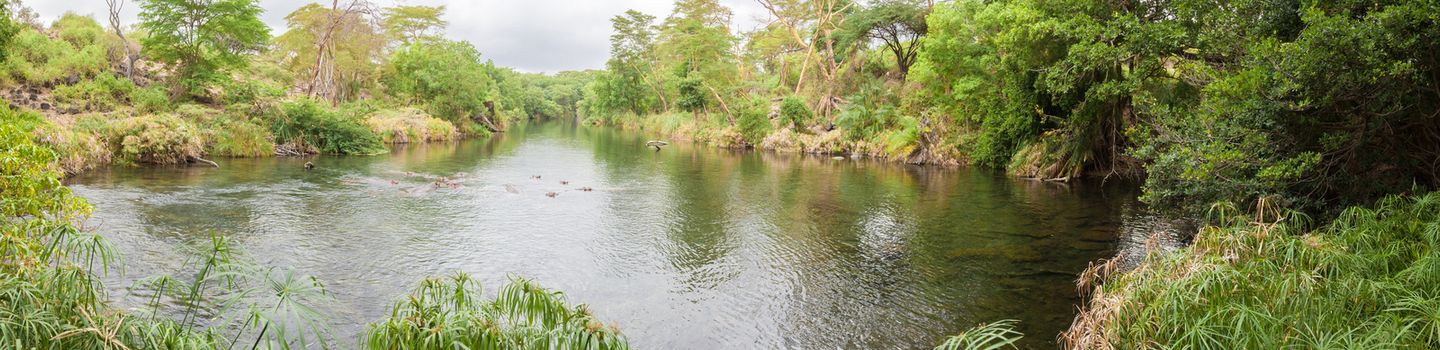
(1367, 280)
(770, 133)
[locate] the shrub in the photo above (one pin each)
(754, 123)
(306, 123)
(794, 112)
(251, 92)
(151, 100)
(75, 150)
(36, 58)
(409, 125)
(239, 138)
(155, 139)
(102, 94)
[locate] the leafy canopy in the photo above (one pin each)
(202, 39)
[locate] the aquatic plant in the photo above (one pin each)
(451, 313)
(991, 336)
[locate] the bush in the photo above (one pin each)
(754, 124)
(75, 150)
(36, 58)
(154, 139)
(151, 100)
(793, 112)
(409, 125)
(103, 94)
(306, 123)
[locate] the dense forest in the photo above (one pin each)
(1303, 135)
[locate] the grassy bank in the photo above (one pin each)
(1369, 280)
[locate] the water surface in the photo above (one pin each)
(688, 248)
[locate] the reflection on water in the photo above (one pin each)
(687, 248)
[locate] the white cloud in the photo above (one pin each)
(529, 35)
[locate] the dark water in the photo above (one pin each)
(688, 248)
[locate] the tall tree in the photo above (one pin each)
(898, 24)
(813, 24)
(409, 24)
(202, 39)
(697, 47)
(336, 47)
(633, 61)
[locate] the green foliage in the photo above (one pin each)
(754, 122)
(8, 29)
(237, 136)
(452, 313)
(1367, 281)
(348, 60)
(149, 100)
(898, 24)
(154, 139)
(793, 112)
(411, 24)
(202, 39)
(1333, 108)
(309, 124)
(409, 125)
(36, 58)
(104, 93)
(446, 76)
(992, 336)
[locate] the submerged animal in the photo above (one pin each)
(657, 144)
(309, 166)
(586, 189)
(563, 182)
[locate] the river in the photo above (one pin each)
(691, 247)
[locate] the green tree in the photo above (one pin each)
(897, 24)
(409, 24)
(696, 45)
(635, 81)
(447, 77)
(334, 50)
(202, 39)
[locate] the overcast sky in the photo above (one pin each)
(529, 35)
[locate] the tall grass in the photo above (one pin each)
(154, 139)
(1369, 280)
(409, 125)
(452, 314)
(77, 52)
